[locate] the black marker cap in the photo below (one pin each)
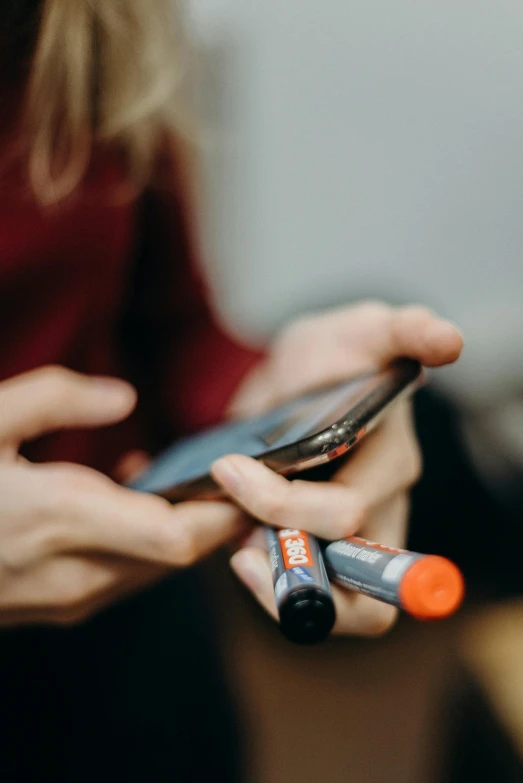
(307, 615)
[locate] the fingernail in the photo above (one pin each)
(247, 570)
(114, 390)
(227, 475)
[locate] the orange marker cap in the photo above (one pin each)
(432, 587)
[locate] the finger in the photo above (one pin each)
(131, 466)
(110, 580)
(149, 528)
(58, 584)
(388, 524)
(376, 335)
(357, 613)
(360, 615)
(251, 566)
(327, 510)
(53, 398)
(385, 462)
(92, 513)
(342, 343)
(69, 589)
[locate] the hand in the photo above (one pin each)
(370, 493)
(71, 540)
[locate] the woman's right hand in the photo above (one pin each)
(71, 540)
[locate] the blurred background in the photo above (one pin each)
(369, 148)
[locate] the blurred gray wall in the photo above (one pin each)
(368, 147)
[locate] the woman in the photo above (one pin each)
(98, 275)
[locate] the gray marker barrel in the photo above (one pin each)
(425, 586)
(301, 586)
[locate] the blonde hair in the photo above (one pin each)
(103, 71)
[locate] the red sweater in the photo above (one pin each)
(112, 288)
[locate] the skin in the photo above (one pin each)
(73, 541)
(369, 495)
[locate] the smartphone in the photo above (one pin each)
(303, 433)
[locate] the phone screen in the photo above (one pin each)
(192, 457)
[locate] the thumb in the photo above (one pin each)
(385, 334)
(52, 398)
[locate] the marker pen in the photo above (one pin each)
(428, 587)
(301, 585)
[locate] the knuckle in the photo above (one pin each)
(32, 543)
(61, 495)
(54, 377)
(179, 548)
(55, 539)
(167, 540)
(35, 544)
(186, 553)
(340, 528)
(68, 599)
(15, 558)
(66, 485)
(49, 372)
(349, 523)
(55, 390)
(279, 508)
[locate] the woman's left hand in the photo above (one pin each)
(369, 495)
